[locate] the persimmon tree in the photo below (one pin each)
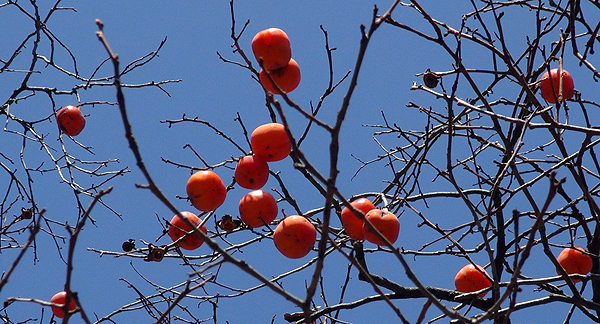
(514, 174)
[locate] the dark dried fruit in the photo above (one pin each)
(26, 213)
(155, 253)
(430, 79)
(128, 245)
(228, 224)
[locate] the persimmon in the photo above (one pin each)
(551, 90)
(287, 78)
(272, 45)
(270, 141)
(385, 222)
(70, 120)
(60, 298)
(258, 208)
(352, 224)
(294, 236)
(179, 228)
(575, 261)
(251, 172)
(206, 190)
(471, 278)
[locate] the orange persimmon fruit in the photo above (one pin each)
(258, 208)
(287, 78)
(575, 261)
(385, 222)
(471, 278)
(179, 228)
(352, 224)
(251, 172)
(272, 45)
(206, 190)
(60, 299)
(70, 120)
(270, 141)
(551, 90)
(294, 236)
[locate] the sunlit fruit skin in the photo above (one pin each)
(270, 141)
(206, 190)
(287, 78)
(273, 47)
(179, 228)
(469, 279)
(575, 261)
(294, 237)
(385, 222)
(352, 224)
(70, 120)
(60, 298)
(251, 172)
(258, 208)
(549, 91)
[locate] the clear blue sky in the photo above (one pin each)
(213, 90)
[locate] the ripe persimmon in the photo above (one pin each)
(251, 172)
(273, 47)
(294, 236)
(206, 190)
(270, 141)
(258, 208)
(287, 78)
(551, 90)
(471, 278)
(70, 120)
(352, 224)
(575, 261)
(385, 222)
(60, 299)
(179, 228)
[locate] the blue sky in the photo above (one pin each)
(216, 91)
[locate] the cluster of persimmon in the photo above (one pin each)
(70, 120)
(472, 277)
(383, 221)
(269, 143)
(294, 236)
(555, 86)
(273, 51)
